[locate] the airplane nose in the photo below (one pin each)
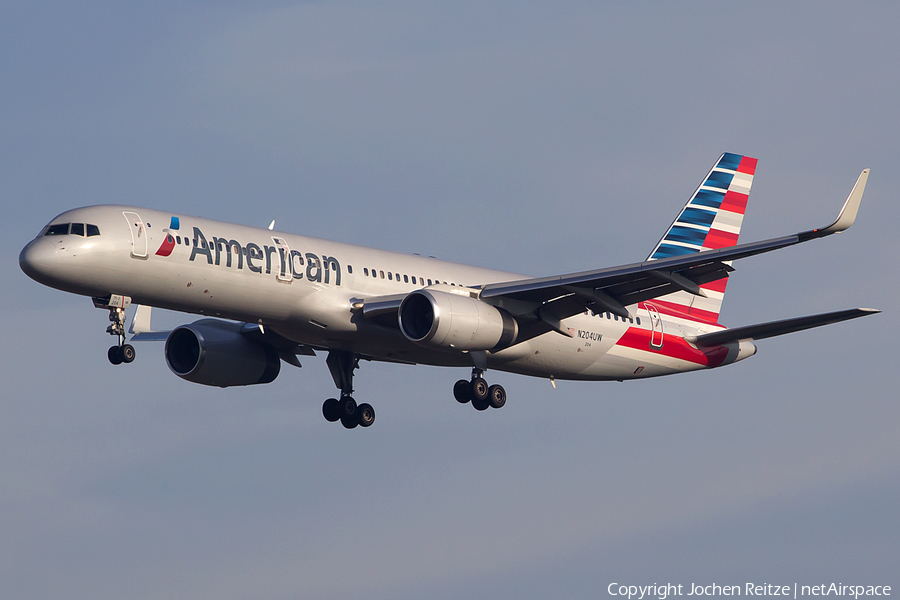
(37, 260)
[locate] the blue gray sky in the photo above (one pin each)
(538, 138)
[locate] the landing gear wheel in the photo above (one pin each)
(478, 389)
(480, 404)
(496, 396)
(348, 407)
(331, 410)
(128, 353)
(461, 391)
(114, 354)
(341, 364)
(365, 415)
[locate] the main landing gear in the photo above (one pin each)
(479, 392)
(122, 353)
(342, 364)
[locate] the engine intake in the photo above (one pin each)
(213, 352)
(448, 320)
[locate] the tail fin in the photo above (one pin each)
(711, 219)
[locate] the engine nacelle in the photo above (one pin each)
(450, 320)
(213, 352)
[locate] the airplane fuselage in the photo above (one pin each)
(309, 290)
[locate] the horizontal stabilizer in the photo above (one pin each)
(774, 328)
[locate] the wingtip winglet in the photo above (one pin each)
(848, 212)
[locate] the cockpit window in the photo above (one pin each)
(58, 229)
(73, 228)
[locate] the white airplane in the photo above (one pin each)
(270, 296)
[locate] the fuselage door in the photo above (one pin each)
(656, 326)
(284, 269)
(138, 230)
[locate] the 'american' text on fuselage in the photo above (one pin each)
(317, 269)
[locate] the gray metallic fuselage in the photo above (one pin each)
(303, 288)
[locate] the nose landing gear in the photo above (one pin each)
(122, 352)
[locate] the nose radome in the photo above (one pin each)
(36, 260)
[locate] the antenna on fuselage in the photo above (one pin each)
(272, 225)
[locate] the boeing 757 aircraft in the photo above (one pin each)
(269, 296)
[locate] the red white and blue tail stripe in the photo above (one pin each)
(711, 219)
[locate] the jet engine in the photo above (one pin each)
(450, 320)
(213, 352)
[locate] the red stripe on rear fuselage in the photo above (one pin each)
(716, 286)
(679, 310)
(673, 347)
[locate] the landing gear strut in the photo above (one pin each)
(121, 353)
(479, 392)
(342, 364)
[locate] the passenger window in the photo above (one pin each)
(58, 229)
(406, 279)
(413, 278)
(350, 269)
(638, 320)
(389, 276)
(429, 282)
(78, 229)
(397, 276)
(366, 271)
(178, 239)
(382, 274)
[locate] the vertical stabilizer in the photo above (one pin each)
(711, 219)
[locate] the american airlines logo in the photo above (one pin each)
(287, 264)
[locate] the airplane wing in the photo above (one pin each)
(140, 329)
(612, 289)
(540, 303)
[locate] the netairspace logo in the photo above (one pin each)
(663, 591)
